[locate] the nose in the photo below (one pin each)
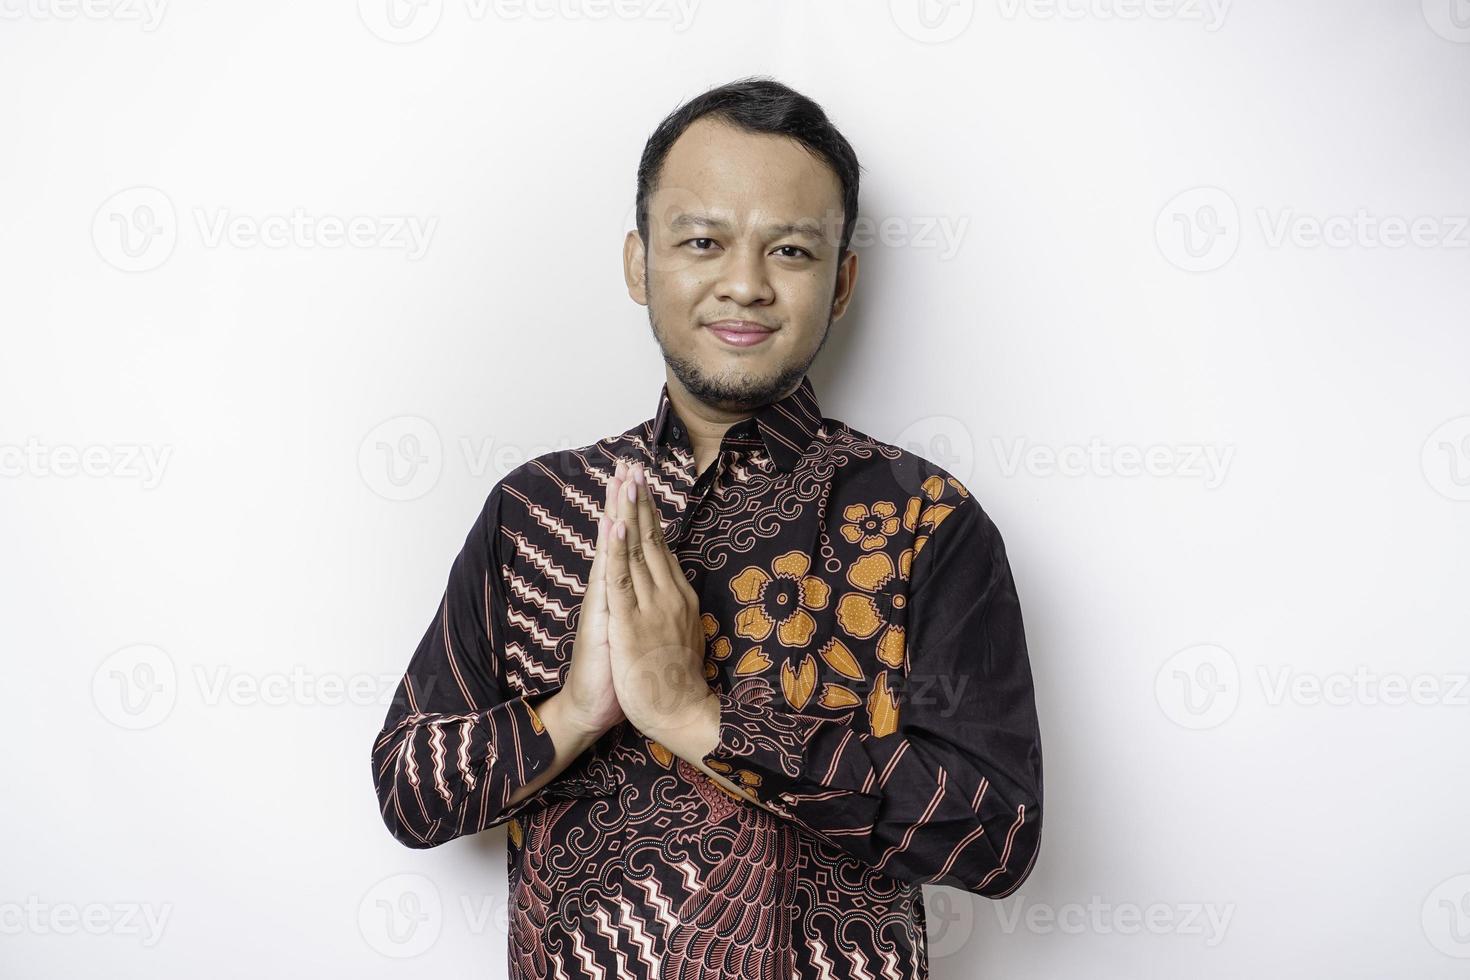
(743, 277)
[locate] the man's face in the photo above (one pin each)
(742, 227)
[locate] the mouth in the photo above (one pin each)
(740, 333)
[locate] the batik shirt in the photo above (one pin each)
(864, 639)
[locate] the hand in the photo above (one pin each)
(592, 703)
(654, 630)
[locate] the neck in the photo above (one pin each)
(707, 424)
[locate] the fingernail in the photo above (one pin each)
(632, 490)
(622, 530)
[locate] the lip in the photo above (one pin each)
(740, 333)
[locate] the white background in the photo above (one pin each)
(1097, 240)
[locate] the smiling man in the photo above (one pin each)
(741, 678)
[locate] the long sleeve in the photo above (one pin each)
(952, 796)
(454, 747)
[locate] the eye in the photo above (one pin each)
(795, 248)
(710, 240)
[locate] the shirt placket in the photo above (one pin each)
(678, 528)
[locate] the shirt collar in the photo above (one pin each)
(787, 427)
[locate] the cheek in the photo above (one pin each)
(676, 288)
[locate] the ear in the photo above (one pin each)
(634, 265)
(847, 271)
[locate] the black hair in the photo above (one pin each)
(756, 104)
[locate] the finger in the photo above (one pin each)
(596, 596)
(622, 596)
(655, 551)
(614, 553)
(633, 547)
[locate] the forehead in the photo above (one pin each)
(723, 169)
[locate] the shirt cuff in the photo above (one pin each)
(522, 747)
(761, 750)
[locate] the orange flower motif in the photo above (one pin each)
(881, 605)
(882, 708)
(778, 601)
(918, 513)
(745, 780)
(717, 647)
(869, 529)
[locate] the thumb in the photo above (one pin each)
(596, 597)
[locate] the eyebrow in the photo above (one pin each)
(803, 229)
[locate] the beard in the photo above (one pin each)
(730, 391)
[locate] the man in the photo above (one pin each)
(740, 678)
